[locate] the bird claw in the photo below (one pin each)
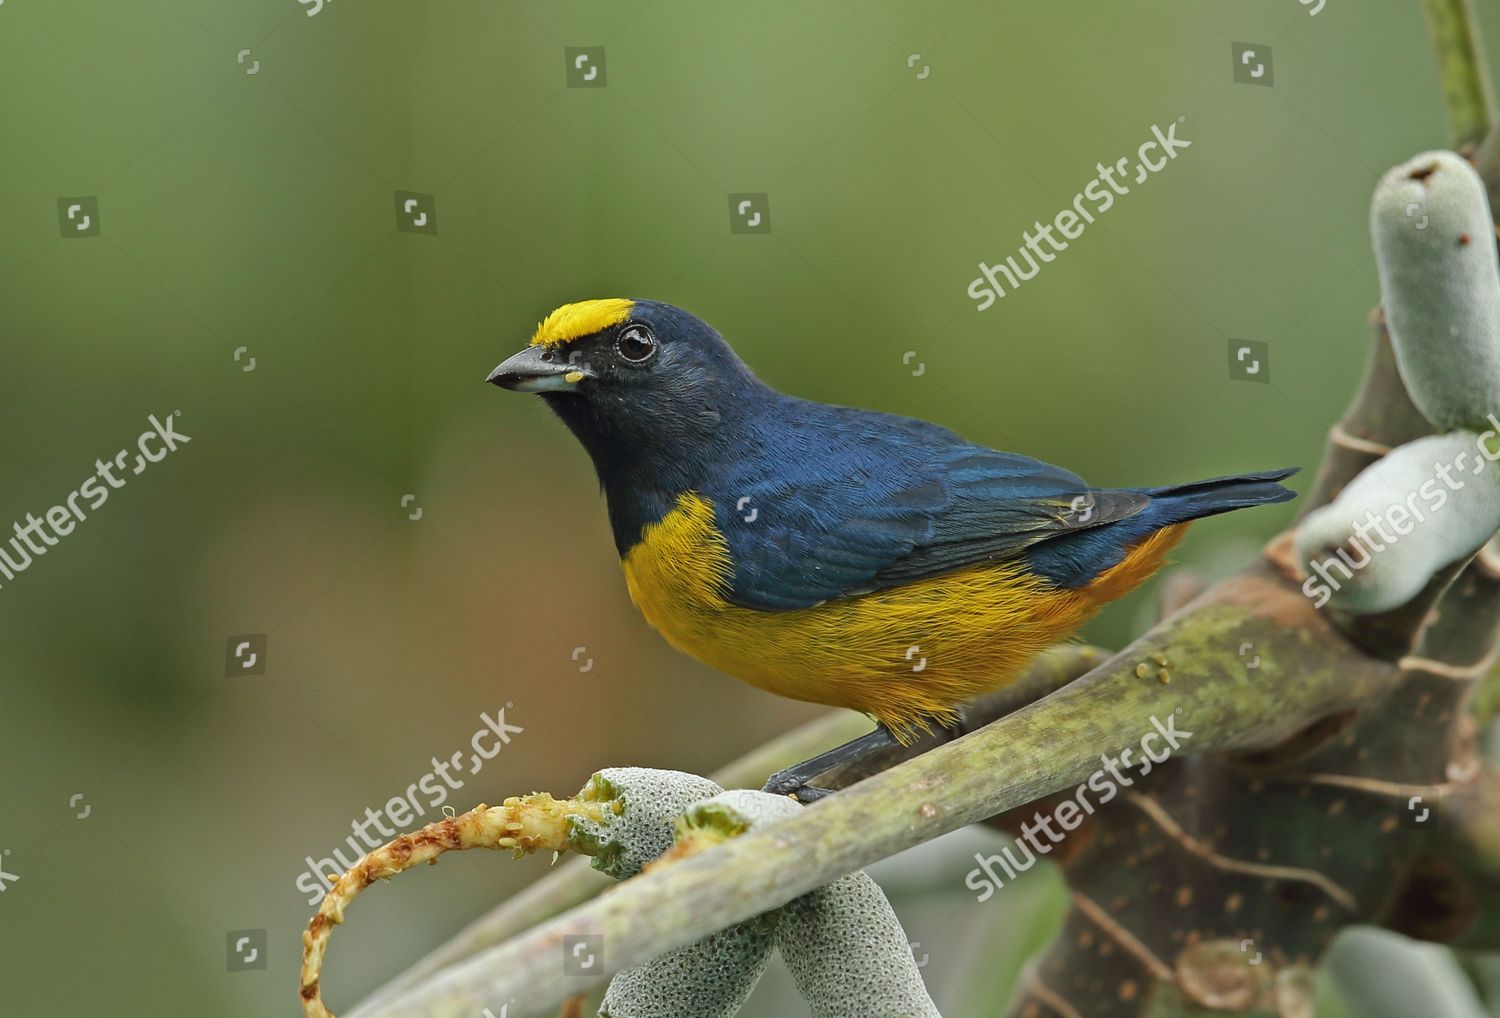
(789, 783)
(794, 780)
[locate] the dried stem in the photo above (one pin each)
(523, 825)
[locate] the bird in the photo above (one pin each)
(830, 554)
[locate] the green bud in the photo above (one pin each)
(734, 812)
(712, 977)
(646, 804)
(848, 954)
(1434, 242)
(1423, 506)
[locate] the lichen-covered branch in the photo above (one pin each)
(573, 882)
(1051, 744)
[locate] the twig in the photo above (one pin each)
(1466, 88)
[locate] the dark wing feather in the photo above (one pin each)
(971, 533)
(882, 506)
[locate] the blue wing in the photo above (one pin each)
(839, 502)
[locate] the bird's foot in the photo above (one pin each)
(805, 794)
(796, 780)
(858, 759)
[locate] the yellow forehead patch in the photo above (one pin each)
(573, 321)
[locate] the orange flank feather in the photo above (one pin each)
(907, 656)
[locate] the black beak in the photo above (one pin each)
(536, 369)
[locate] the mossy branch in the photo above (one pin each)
(574, 881)
(1052, 744)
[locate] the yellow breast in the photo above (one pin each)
(905, 655)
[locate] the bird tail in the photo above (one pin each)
(1111, 559)
(1179, 503)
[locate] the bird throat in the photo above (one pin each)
(642, 469)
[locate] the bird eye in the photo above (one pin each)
(636, 344)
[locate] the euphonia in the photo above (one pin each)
(830, 554)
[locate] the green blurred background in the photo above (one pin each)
(257, 211)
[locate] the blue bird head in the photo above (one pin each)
(647, 388)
